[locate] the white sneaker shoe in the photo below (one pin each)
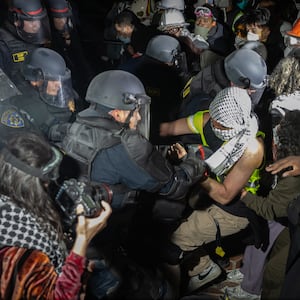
(238, 293)
(210, 273)
(235, 275)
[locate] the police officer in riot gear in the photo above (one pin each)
(12, 119)
(66, 41)
(47, 94)
(26, 28)
(163, 72)
(110, 140)
(225, 72)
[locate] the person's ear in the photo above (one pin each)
(115, 114)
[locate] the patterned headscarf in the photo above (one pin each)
(232, 109)
(19, 228)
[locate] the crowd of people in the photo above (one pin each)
(124, 178)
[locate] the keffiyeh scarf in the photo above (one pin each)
(232, 109)
(19, 228)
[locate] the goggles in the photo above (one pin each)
(49, 172)
(203, 12)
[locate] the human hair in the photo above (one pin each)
(24, 190)
(288, 135)
(285, 78)
(259, 17)
(127, 17)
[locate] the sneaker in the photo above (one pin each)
(235, 275)
(210, 273)
(238, 293)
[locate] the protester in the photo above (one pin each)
(274, 205)
(31, 232)
(228, 119)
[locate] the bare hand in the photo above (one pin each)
(89, 227)
(290, 161)
(178, 149)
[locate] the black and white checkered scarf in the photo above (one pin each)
(19, 228)
(232, 109)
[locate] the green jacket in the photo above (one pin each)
(275, 204)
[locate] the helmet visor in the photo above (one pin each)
(142, 103)
(57, 91)
(34, 30)
(144, 125)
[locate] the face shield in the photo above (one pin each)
(140, 102)
(34, 29)
(57, 91)
(63, 25)
(7, 87)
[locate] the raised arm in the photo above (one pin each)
(177, 127)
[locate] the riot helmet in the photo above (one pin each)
(163, 48)
(171, 18)
(117, 89)
(165, 4)
(61, 14)
(258, 47)
(30, 20)
(47, 69)
(246, 68)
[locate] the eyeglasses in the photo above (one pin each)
(202, 11)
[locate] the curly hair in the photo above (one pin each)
(285, 78)
(25, 190)
(288, 135)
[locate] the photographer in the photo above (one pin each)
(33, 256)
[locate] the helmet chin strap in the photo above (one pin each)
(127, 121)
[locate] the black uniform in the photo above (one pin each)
(12, 50)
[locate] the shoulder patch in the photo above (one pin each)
(11, 118)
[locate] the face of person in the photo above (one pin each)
(124, 30)
(262, 31)
(217, 125)
(122, 115)
(60, 23)
(31, 26)
(134, 120)
(52, 86)
(206, 22)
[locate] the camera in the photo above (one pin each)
(73, 192)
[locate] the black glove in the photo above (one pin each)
(193, 167)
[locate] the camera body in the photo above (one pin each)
(74, 192)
